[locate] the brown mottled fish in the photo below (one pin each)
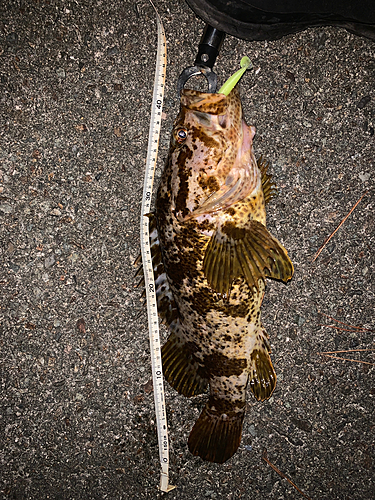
(211, 255)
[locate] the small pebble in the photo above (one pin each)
(12, 38)
(364, 176)
(299, 319)
(252, 430)
(49, 261)
(56, 212)
(364, 101)
(112, 51)
(6, 208)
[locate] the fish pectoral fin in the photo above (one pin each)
(179, 368)
(269, 187)
(262, 376)
(250, 252)
(216, 434)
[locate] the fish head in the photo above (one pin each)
(212, 159)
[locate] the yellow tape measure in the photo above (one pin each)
(153, 323)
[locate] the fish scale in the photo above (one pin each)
(211, 256)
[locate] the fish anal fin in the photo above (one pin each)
(262, 376)
(216, 434)
(269, 187)
(251, 252)
(179, 368)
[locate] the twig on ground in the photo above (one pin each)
(328, 355)
(265, 458)
(337, 228)
(346, 324)
(347, 350)
(362, 330)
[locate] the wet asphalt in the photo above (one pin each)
(76, 404)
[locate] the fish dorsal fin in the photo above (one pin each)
(269, 187)
(250, 252)
(167, 308)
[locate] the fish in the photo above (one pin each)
(211, 254)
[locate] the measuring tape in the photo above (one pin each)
(153, 323)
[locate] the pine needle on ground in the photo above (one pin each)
(265, 458)
(337, 228)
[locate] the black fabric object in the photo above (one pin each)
(272, 19)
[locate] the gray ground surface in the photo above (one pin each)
(77, 415)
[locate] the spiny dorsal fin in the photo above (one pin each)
(166, 305)
(250, 252)
(269, 187)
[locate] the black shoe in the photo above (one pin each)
(272, 19)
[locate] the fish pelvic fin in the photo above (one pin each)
(180, 369)
(269, 187)
(216, 434)
(251, 252)
(262, 376)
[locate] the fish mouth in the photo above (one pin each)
(204, 102)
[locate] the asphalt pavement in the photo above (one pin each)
(77, 415)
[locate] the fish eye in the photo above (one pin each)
(181, 135)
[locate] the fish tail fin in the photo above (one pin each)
(262, 376)
(179, 368)
(216, 434)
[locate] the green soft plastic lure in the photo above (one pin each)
(234, 79)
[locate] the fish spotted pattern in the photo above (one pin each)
(211, 254)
